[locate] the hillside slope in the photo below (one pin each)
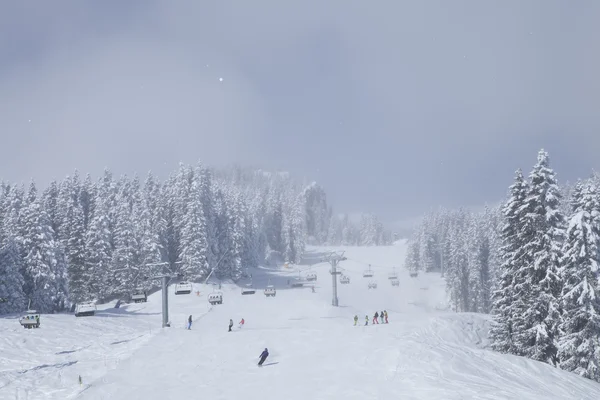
(425, 352)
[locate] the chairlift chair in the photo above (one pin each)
(311, 277)
(270, 291)
(393, 275)
(30, 320)
(395, 282)
(139, 296)
(249, 289)
(183, 288)
(368, 273)
(215, 298)
(414, 274)
(344, 280)
(297, 283)
(85, 309)
(372, 285)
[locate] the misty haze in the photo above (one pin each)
(390, 199)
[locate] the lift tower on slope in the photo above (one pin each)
(164, 277)
(334, 259)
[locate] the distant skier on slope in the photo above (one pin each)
(381, 317)
(375, 318)
(366, 320)
(355, 320)
(385, 312)
(190, 322)
(242, 323)
(263, 356)
(230, 324)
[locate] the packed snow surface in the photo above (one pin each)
(425, 352)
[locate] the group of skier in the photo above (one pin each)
(383, 316)
(241, 324)
(263, 356)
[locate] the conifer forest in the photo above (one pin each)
(83, 239)
(531, 262)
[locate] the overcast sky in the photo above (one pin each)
(393, 106)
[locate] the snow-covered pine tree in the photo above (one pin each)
(237, 239)
(87, 200)
(579, 344)
(544, 226)
(206, 198)
(126, 255)
(412, 263)
(149, 227)
(194, 247)
(40, 259)
(334, 235)
(427, 244)
(479, 263)
(51, 206)
(316, 212)
(457, 272)
(98, 254)
(171, 235)
(12, 297)
(509, 298)
(78, 269)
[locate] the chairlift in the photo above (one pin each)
(30, 320)
(270, 291)
(297, 283)
(311, 277)
(139, 296)
(249, 289)
(393, 275)
(395, 282)
(215, 298)
(368, 273)
(414, 274)
(183, 288)
(344, 280)
(85, 309)
(372, 285)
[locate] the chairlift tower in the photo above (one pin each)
(165, 292)
(334, 259)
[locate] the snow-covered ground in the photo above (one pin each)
(425, 352)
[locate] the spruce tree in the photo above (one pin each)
(544, 225)
(503, 299)
(194, 247)
(579, 344)
(12, 297)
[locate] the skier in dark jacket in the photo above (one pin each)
(230, 324)
(376, 318)
(263, 356)
(190, 322)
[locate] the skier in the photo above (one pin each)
(385, 313)
(375, 318)
(230, 324)
(381, 317)
(263, 356)
(190, 322)
(242, 323)
(355, 320)
(313, 289)
(366, 320)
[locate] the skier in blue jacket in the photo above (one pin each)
(263, 357)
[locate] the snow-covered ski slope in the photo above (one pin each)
(425, 352)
